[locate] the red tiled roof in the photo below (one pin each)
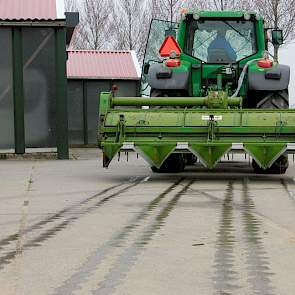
(19, 10)
(91, 64)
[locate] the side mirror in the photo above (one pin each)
(277, 37)
(146, 68)
(170, 32)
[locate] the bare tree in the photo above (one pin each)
(132, 24)
(228, 4)
(124, 24)
(95, 29)
(166, 9)
(278, 14)
(71, 5)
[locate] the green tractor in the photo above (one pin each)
(215, 90)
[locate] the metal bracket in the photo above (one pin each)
(279, 125)
(120, 134)
(212, 123)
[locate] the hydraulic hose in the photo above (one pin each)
(242, 77)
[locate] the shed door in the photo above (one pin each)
(75, 112)
(39, 86)
(93, 90)
(6, 91)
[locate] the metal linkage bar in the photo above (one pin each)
(169, 101)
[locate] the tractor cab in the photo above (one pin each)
(214, 47)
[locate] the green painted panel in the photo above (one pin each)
(197, 118)
(209, 153)
(109, 152)
(265, 154)
(155, 154)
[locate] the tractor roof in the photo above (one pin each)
(223, 14)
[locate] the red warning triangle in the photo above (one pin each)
(169, 44)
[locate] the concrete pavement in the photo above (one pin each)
(72, 227)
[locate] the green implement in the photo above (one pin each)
(207, 133)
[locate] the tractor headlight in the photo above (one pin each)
(183, 13)
(196, 16)
(247, 16)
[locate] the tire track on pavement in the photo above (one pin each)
(286, 183)
(257, 260)
(14, 237)
(95, 259)
(239, 208)
(125, 261)
(225, 274)
(49, 233)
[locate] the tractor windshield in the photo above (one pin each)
(222, 41)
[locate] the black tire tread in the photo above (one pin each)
(175, 163)
(274, 100)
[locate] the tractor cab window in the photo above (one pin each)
(222, 41)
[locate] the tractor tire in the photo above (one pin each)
(280, 166)
(157, 93)
(190, 159)
(175, 163)
(274, 100)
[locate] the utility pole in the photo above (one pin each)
(221, 5)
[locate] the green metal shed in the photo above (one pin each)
(33, 83)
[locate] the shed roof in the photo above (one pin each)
(32, 10)
(92, 64)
